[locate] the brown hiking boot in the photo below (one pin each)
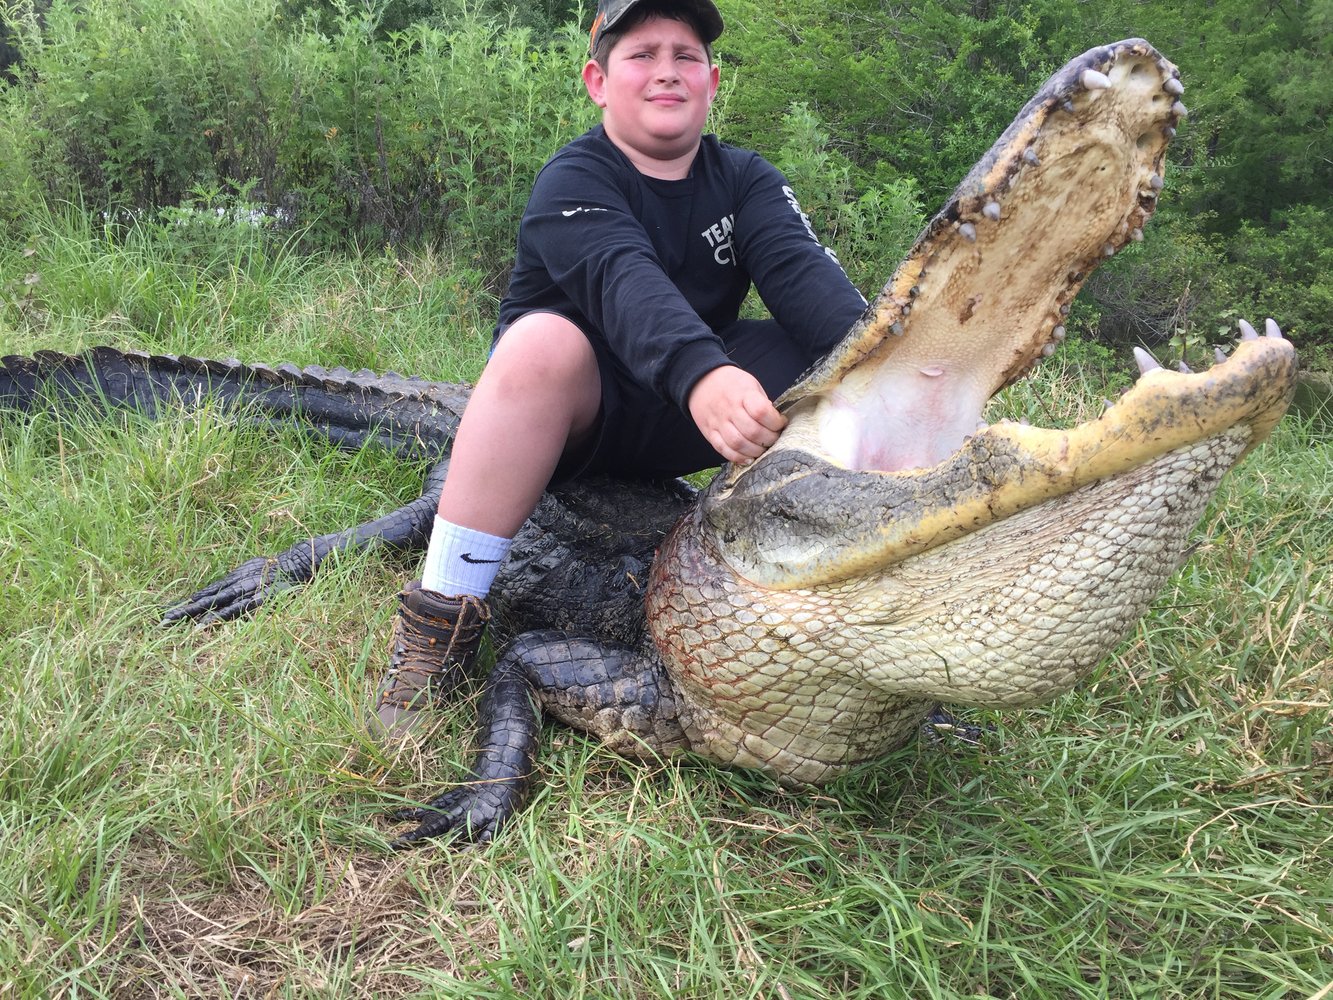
(435, 640)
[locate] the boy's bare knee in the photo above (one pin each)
(543, 349)
(545, 363)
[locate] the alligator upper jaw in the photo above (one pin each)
(982, 294)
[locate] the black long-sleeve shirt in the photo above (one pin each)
(656, 268)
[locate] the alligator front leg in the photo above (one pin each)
(252, 583)
(621, 696)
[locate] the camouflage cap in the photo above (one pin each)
(611, 11)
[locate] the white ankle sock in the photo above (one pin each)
(462, 561)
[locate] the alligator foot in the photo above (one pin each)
(254, 582)
(620, 696)
(498, 783)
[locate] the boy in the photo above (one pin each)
(618, 347)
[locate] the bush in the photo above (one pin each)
(434, 135)
(428, 134)
(1285, 270)
(136, 101)
(870, 230)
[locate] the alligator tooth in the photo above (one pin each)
(906, 309)
(1136, 235)
(896, 329)
(1271, 329)
(1156, 183)
(1092, 80)
(1047, 350)
(1179, 110)
(1219, 356)
(1030, 156)
(1108, 250)
(1064, 308)
(1058, 333)
(968, 232)
(1247, 331)
(1106, 404)
(1146, 361)
(1067, 107)
(982, 425)
(1169, 132)
(992, 211)
(1184, 369)
(1174, 87)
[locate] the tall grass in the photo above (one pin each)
(200, 812)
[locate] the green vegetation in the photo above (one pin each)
(422, 122)
(200, 812)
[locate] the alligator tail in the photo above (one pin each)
(411, 416)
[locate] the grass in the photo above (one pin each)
(200, 812)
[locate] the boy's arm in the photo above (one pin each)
(799, 279)
(598, 254)
(733, 412)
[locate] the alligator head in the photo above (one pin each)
(892, 551)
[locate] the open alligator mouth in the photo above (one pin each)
(894, 413)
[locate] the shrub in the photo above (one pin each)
(428, 133)
(871, 229)
(1285, 270)
(136, 101)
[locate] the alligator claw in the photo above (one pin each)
(472, 813)
(252, 583)
(246, 587)
(496, 787)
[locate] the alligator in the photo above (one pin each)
(804, 613)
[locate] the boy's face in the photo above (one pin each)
(655, 91)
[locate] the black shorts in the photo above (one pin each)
(640, 434)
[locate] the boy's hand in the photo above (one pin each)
(734, 414)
